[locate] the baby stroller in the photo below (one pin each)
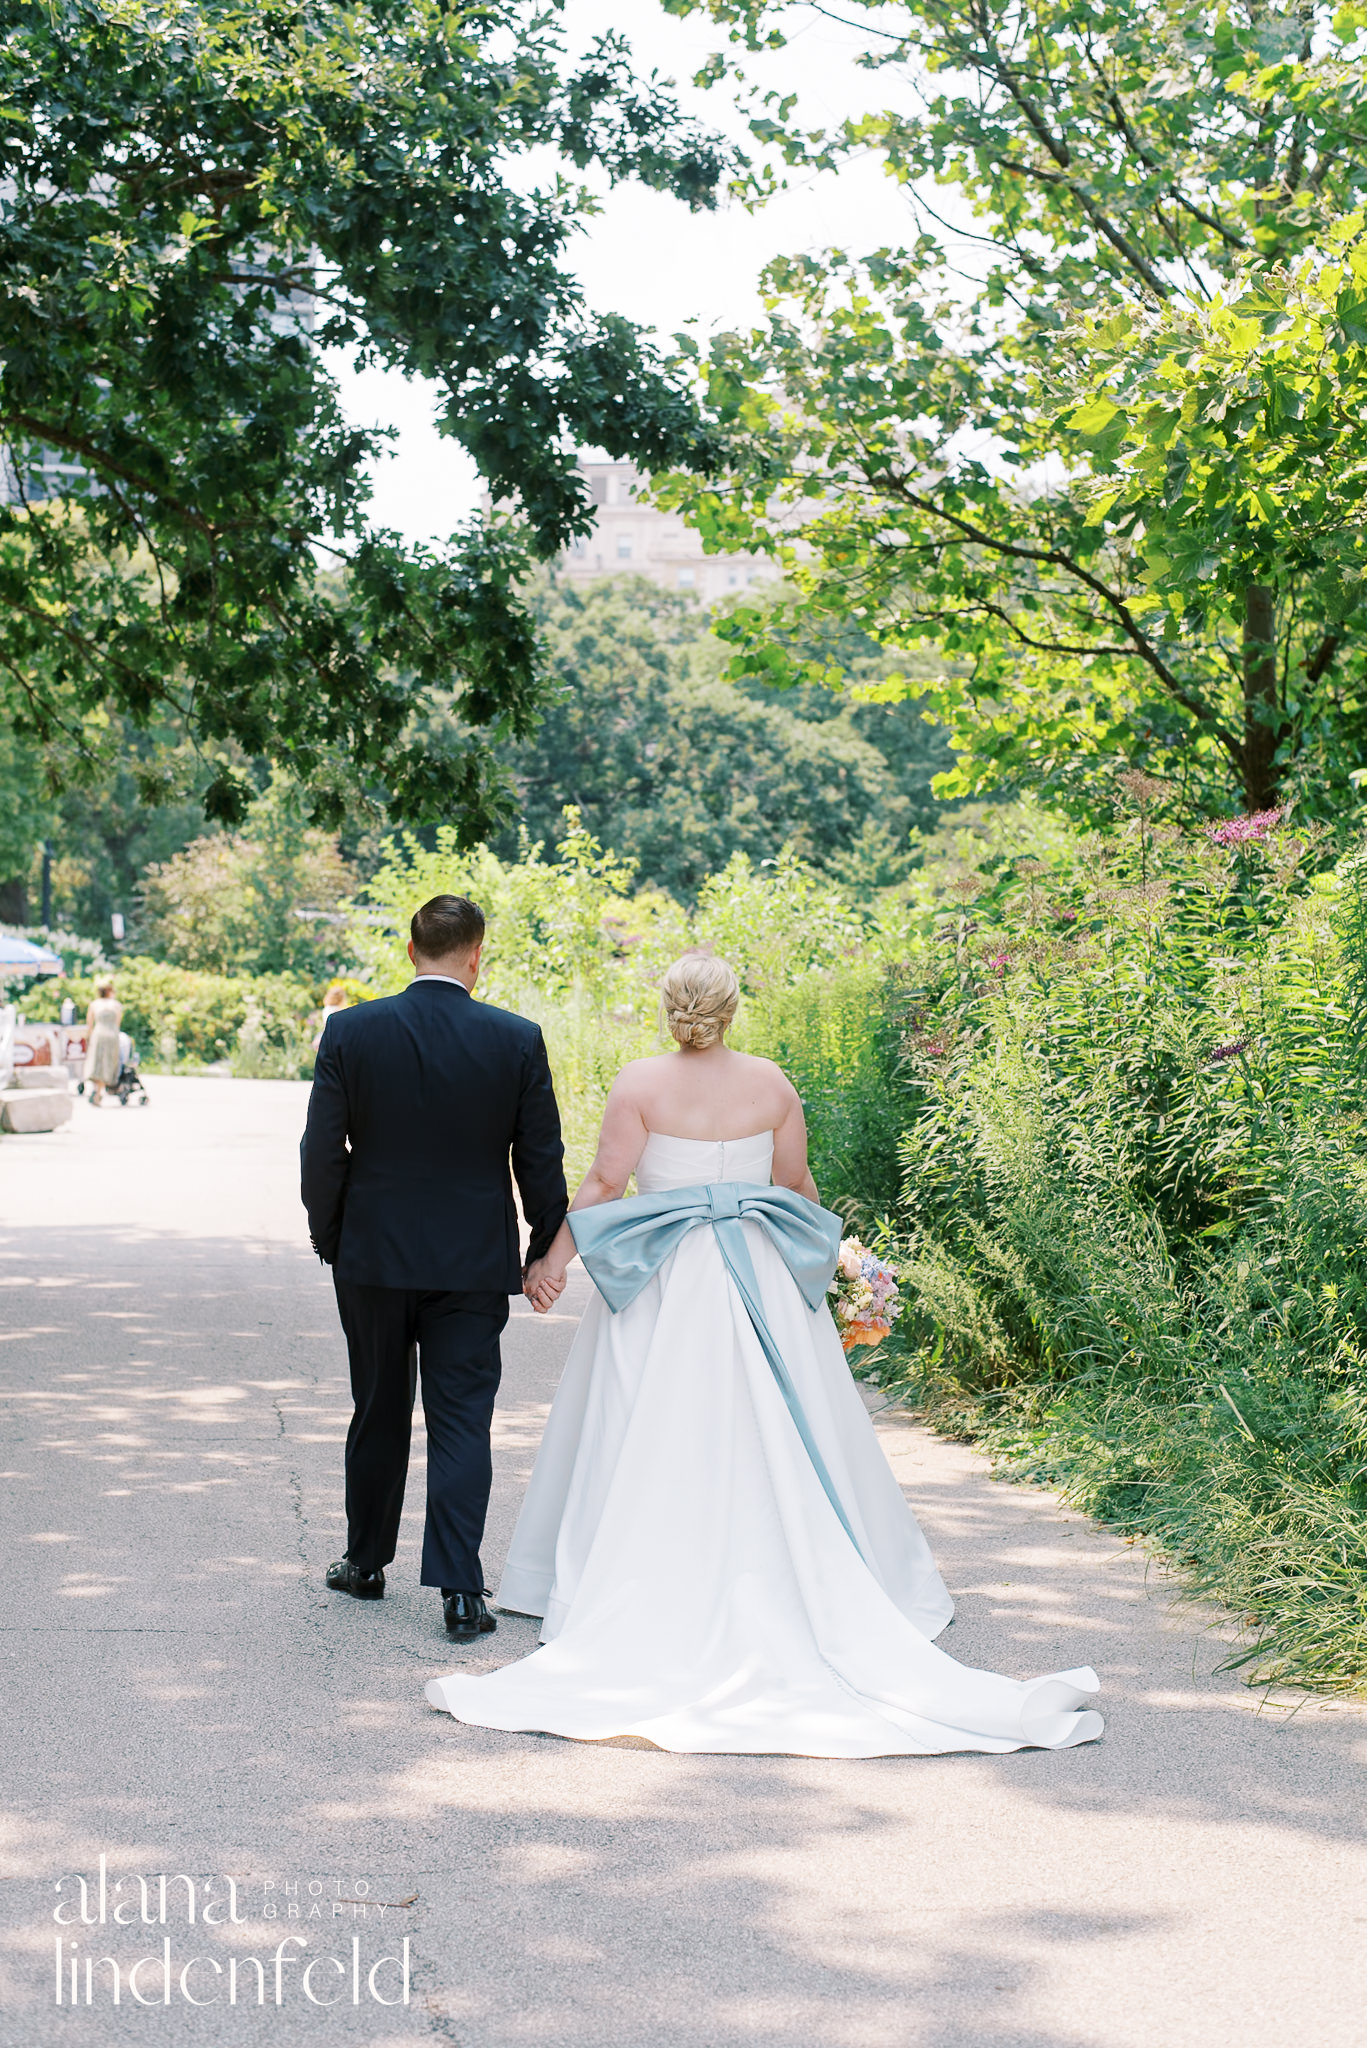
(129, 1082)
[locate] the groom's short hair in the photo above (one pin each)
(446, 925)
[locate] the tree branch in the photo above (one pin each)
(1059, 559)
(997, 611)
(1323, 657)
(94, 458)
(1058, 150)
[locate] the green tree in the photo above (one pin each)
(136, 806)
(913, 745)
(233, 902)
(677, 769)
(198, 199)
(1118, 479)
(26, 816)
(105, 835)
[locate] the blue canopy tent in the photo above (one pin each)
(21, 956)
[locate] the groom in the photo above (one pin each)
(417, 1103)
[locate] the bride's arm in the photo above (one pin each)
(621, 1141)
(790, 1168)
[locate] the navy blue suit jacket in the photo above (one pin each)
(419, 1101)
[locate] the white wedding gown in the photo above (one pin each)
(696, 1585)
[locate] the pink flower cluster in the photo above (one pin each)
(934, 1045)
(865, 1295)
(1239, 831)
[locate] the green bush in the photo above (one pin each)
(1105, 1096)
(252, 903)
(178, 1017)
(571, 944)
(830, 1032)
(1134, 1210)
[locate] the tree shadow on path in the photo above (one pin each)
(181, 1692)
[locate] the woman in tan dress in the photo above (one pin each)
(102, 1060)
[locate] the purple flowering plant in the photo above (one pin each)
(1235, 832)
(1231, 1051)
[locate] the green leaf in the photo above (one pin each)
(1093, 418)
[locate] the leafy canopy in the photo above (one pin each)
(678, 769)
(1116, 474)
(197, 199)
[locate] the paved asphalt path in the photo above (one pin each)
(182, 1695)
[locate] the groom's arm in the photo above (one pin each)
(324, 1159)
(539, 1153)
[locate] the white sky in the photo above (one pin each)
(645, 255)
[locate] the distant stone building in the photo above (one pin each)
(630, 538)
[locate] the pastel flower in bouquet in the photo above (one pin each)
(864, 1298)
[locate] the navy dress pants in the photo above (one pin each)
(390, 1331)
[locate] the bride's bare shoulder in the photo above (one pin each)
(767, 1070)
(638, 1076)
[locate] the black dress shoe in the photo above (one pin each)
(466, 1616)
(346, 1577)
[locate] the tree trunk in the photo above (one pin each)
(14, 900)
(1262, 713)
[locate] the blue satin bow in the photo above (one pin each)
(624, 1243)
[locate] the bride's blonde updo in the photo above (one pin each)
(698, 997)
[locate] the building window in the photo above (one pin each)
(733, 579)
(687, 579)
(624, 547)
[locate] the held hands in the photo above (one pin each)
(543, 1279)
(542, 1285)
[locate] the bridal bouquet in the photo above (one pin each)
(864, 1295)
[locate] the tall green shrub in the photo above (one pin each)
(259, 1024)
(572, 944)
(1135, 1207)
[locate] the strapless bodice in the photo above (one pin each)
(694, 1162)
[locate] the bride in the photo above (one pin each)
(721, 1556)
